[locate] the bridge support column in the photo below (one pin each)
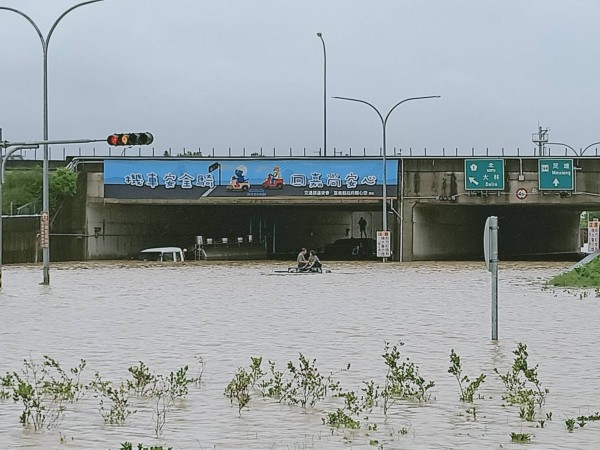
(406, 230)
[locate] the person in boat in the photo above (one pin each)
(314, 263)
(301, 260)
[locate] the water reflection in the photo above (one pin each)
(115, 314)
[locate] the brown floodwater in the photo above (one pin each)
(115, 314)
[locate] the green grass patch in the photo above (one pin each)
(585, 276)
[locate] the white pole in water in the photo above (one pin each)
(490, 250)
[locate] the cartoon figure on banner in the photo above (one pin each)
(239, 182)
(273, 180)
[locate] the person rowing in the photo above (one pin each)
(313, 264)
(301, 260)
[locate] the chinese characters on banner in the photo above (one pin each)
(174, 178)
(384, 249)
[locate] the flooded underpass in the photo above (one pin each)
(116, 314)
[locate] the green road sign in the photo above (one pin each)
(484, 174)
(556, 174)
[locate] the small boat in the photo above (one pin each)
(297, 271)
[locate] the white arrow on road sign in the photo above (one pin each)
(556, 182)
(473, 181)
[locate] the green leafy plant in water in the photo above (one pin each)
(6, 383)
(522, 385)
(528, 410)
(44, 389)
(402, 380)
(348, 415)
(129, 446)
(307, 386)
(238, 389)
(167, 390)
(472, 411)
(371, 395)
(256, 372)
(520, 437)
(117, 398)
(581, 421)
(275, 386)
(467, 393)
(143, 380)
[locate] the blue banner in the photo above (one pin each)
(185, 178)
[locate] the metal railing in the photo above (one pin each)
(65, 153)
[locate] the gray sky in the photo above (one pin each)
(248, 73)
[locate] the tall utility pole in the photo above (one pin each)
(45, 188)
(324, 96)
(384, 153)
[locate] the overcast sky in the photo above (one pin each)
(249, 73)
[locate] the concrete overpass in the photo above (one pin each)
(437, 206)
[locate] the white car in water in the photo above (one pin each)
(163, 254)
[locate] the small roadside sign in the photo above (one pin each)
(521, 193)
(484, 174)
(384, 249)
(593, 235)
(555, 174)
(44, 229)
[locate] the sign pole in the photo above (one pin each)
(490, 250)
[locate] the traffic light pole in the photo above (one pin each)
(45, 231)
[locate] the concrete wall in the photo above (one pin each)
(19, 239)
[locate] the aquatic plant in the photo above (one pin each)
(522, 385)
(238, 389)
(44, 390)
(347, 416)
(468, 392)
(402, 380)
(167, 390)
(520, 437)
(116, 397)
(275, 386)
(307, 386)
(581, 421)
(142, 380)
(129, 446)
(521, 382)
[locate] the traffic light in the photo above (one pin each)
(130, 139)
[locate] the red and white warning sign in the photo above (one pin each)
(44, 230)
(521, 193)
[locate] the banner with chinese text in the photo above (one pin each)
(184, 178)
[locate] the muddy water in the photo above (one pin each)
(114, 315)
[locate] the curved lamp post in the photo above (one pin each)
(324, 96)
(581, 152)
(45, 42)
(383, 125)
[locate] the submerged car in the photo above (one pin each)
(351, 248)
(162, 254)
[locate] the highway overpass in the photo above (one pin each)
(437, 206)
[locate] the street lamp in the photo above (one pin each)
(581, 152)
(324, 96)
(45, 193)
(383, 125)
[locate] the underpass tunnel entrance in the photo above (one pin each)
(456, 232)
(280, 230)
